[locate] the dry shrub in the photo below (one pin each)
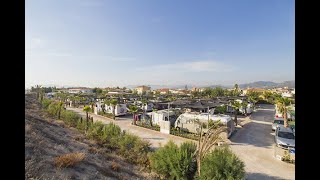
(93, 150)
(68, 160)
(115, 166)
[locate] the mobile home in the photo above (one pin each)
(189, 122)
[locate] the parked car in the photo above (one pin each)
(284, 137)
(276, 122)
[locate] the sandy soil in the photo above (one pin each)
(46, 138)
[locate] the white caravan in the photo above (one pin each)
(189, 122)
(162, 115)
(120, 109)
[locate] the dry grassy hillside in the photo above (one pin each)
(46, 139)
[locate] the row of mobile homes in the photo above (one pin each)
(190, 122)
(120, 109)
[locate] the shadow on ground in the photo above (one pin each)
(253, 133)
(259, 176)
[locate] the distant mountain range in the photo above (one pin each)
(268, 84)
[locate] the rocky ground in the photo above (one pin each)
(46, 138)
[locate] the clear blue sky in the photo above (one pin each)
(163, 42)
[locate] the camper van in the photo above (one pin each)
(189, 122)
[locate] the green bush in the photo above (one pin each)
(222, 163)
(45, 103)
(70, 117)
(220, 110)
(53, 108)
(134, 149)
(110, 134)
(81, 125)
(95, 130)
(175, 162)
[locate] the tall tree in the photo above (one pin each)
(114, 103)
(236, 88)
(37, 89)
(87, 109)
(244, 105)
(133, 109)
(283, 104)
(267, 95)
(236, 105)
(60, 106)
(207, 141)
(144, 103)
(253, 97)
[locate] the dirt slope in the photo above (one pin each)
(46, 139)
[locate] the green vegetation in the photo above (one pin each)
(114, 103)
(175, 162)
(220, 109)
(170, 161)
(236, 105)
(283, 107)
(222, 164)
(108, 115)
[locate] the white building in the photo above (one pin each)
(162, 115)
(120, 109)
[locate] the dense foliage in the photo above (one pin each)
(222, 164)
(175, 162)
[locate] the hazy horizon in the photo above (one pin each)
(120, 43)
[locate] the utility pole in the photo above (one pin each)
(208, 117)
(168, 111)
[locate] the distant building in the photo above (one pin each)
(245, 91)
(164, 91)
(79, 90)
(142, 89)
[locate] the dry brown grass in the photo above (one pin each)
(93, 150)
(115, 166)
(68, 160)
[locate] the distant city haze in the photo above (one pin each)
(98, 43)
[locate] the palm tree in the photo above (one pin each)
(244, 105)
(114, 103)
(37, 88)
(92, 104)
(207, 141)
(267, 95)
(236, 90)
(106, 102)
(253, 97)
(87, 109)
(282, 105)
(133, 109)
(236, 105)
(144, 103)
(60, 105)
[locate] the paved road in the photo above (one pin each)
(253, 143)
